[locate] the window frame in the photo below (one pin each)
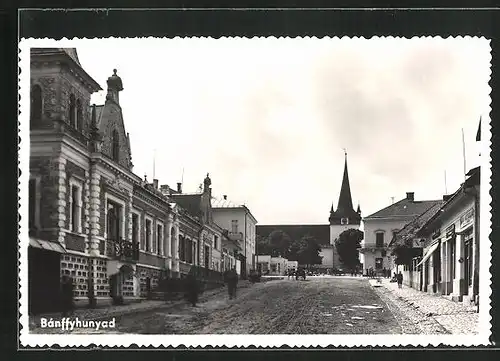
(72, 111)
(344, 221)
(234, 226)
(73, 183)
(160, 238)
(137, 213)
(377, 233)
(148, 241)
(32, 113)
(37, 201)
(121, 217)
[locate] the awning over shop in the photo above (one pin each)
(47, 245)
(429, 253)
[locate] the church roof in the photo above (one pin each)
(345, 208)
(321, 232)
(345, 200)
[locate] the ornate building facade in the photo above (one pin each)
(90, 217)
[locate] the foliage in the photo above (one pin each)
(280, 243)
(306, 251)
(263, 246)
(347, 246)
(404, 254)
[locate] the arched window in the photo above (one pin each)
(36, 103)
(115, 146)
(72, 110)
(79, 115)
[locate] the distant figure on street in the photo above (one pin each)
(67, 295)
(231, 278)
(400, 279)
(192, 289)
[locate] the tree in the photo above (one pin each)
(280, 243)
(308, 251)
(263, 246)
(347, 246)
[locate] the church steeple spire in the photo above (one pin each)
(345, 200)
(345, 213)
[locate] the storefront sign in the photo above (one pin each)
(467, 218)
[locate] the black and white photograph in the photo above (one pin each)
(257, 191)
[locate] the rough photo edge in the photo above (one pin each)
(31, 340)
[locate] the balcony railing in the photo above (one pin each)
(122, 249)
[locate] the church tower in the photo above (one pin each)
(345, 217)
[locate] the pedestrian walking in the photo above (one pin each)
(192, 289)
(67, 295)
(400, 279)
(231, 278)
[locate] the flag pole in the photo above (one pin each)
(463, 151)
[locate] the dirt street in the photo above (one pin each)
(319, 305)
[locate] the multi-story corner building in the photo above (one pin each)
(381, 226)
(90, 217)
(240, 223)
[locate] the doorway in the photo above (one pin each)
(44, 269)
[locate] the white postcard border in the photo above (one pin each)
(125, 340)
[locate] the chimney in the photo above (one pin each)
(165, 188)
(155, 183)
(410, 196)
(446, 197)
(225, 197)
(179, 187)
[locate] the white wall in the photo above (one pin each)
(224, 217)
(373, 226)
(336, 230)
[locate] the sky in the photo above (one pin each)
(269, 118)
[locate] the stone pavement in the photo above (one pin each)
(105, 313)
(432, 313)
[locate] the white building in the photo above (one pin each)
(240, 223)
(381, 226)
(277, 266)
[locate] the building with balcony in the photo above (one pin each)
(381, 226)
(90, 216)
